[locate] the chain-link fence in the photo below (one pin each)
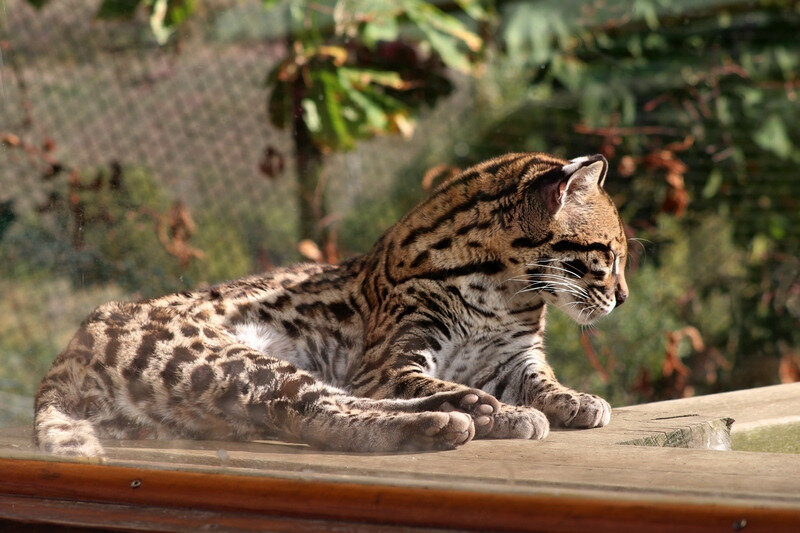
(118, 156)
(130, 169)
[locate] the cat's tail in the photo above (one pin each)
(58, 428)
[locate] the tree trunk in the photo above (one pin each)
(309, 161)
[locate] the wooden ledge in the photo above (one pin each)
(250, 502)
(574, 480)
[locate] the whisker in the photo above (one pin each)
(542, 261)
(570, 272)
(559, 280)
(552, 289)
(555, 284)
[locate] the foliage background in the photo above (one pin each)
(143, 157)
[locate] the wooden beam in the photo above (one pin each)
(254, 499)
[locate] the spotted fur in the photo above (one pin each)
(431, 338)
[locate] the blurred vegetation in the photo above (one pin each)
(694, 103)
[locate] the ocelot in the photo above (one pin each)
(433, 337)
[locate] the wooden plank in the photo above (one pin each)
(520, 467)
(744, 406)
(271, 497)
(77, 514)
(574, 479)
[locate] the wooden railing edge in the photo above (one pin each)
(264, 496)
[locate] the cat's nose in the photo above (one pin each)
(621, 296)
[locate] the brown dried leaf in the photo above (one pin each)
(789, 368)
(627, 166)
(591, 355)
(337, 53)
(442, 171)
(672, 364)
(331, 247)
(272, 163)
(402, 124)
(9, 139)
(310, 250)
(174, 229)
(676, 202)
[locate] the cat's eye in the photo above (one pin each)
(576, 267)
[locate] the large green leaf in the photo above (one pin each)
(376, 120)
(421, 11)
(446, 46)
(446, 34)
(333, 120)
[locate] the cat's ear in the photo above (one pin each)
(590, 169)
(579, 178)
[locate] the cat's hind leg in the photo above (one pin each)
(244, 394)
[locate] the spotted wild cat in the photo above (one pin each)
(431, 338)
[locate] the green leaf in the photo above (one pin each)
(123, 9)
(158, 21)
(376, 119)
(38, 4)
(474, 8)
(164, 14)
(723, 109)
(7, 216)
(362, 76)
(311, 115)
(178, 11)
(443, 32)
(530, 31)
(333, 120)
(279, 104)
(374, 114)
(422, 12)
(380, 30)
(446, 47)
(382, 99)
(712, 183)
(786, 61)
(772, 137)
(646, 9)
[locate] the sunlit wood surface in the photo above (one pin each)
(574, 480)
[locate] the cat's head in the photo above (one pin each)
(580, 264)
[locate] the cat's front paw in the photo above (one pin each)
(594, 412)
(577, 410)
(480, 405)
(516, 422)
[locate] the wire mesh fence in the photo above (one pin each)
(130, 169)
(110, 138)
